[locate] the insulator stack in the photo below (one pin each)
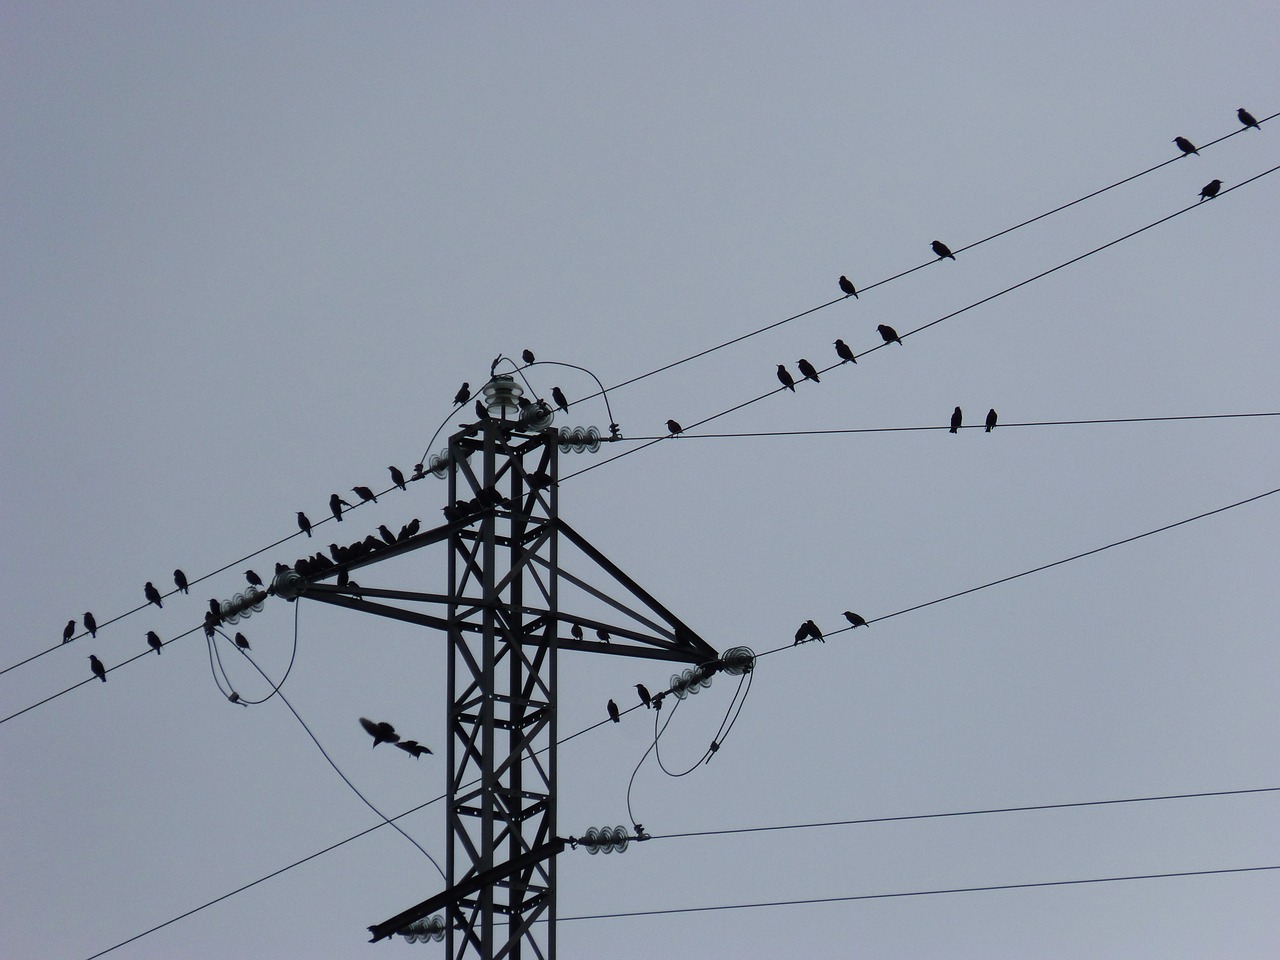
(690, 682)
(242, 605)
(579, 439)
(423, 931)
(605, 839)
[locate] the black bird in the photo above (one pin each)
(90, 624)
(98, 669)
(303, 523)
(215, 608)
(814, 631)
(482, 412)
(180, 579)
(889, 334)
(802, 634)
(68, 631)
(253, 578)
(844, 353)
(463, 394)
(527, 356)
(413, 746)
(645, 698)
(397, 477)
(152, 594)
(942, 250)
(386, 534)
(614, 715)
(808, 370)
(242, 643)
(412, 527)
(785, 376)
(956, 419)
(153, 638)
(336, 503)
(603, 635)
(210, 622)
(576, 631)
(364, 493)
(558, 396)
(1247, 118)
(854, 619)
(1186, 146)
(1210, 190)
(991, 420)
(674, 428)
(381, 732)
(848, 288)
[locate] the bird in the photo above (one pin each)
(68, 631)
(303, 523)
(1186, 146)
(844, 353)
(558, 396)
(381, 732)
(942, 250)
(98, 669)
(1247, 118)
(991, 420)
(180, 579)
(807, 369)
(848, 288)
(785, 376)
(645, 697)
(854, 619)
(215, 607)
(956, 419)
(411, 528)
(386, 534)
(1210, 190)
(575, 630)
(463, 394)
(365, 494)
(803, 634)
(602, 635)
(253, 578)
(674, 429)
(812, 629)
(397, 477)
(152, 594)
(335, 506)
(482, 412)
(413, 746)
(614, 715)
(889, 334)
(527, 356)
(153, 638)
(90, 624)
(242, 643)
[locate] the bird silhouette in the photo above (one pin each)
(1186, 146)
(808, 370)
(386, 534)
(253, 578)
(68, 631)
(411, 528)
(527, 356)
(215, 607)
(463, 394)
(848, 288)
(98, 669)
(942, 250)
(889, 334)
(180, 580)
(152, 594)
(785, 376)
(335, 506)
(804, 634)
(210, 624)
(482, 412)
(153, 639)
(397, 477)
(365, 494)
(813, 631)
(381, 732)
(854, 619)
(1247, 118)
(558, 396)
(645, 697)
(602, 636)
(991, 420)
(614, 715)
(576, 631)
(413, 746)
(242, 643)
(303, 523)
(844, 353)
(674, 429)
(1210, 190)
(90, 624)
(956, 419)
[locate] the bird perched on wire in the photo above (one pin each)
(844, 353)
(785, 377)
(854, 619)
(1210, 190)
(397, 477)
(215, 608)
(614, 715)
(848, 288)
(527, 356)
(645, 697)
(413, 746)
(808, 370)
(98, 669)
(90, 624)
(180, 580)
(602, 635)
(991, 420)
(674, 428)
(153, 639)
(253, 578)
(336, 503)
(558, 396)
(942, 250)
(1186, 146)
(68, 631)
(575, 630)
(242, 642)
(888, 334)
(152, 594)
(303, 523)
(365, 494)
(381, 732)
(1247, 118)
(463, 394)
(956, 419)
(808, 631)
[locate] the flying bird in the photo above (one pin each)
(381, 732)
(808, 370)
(854, 619)
(365, 494)
(848, 288)
(152, 594)
(785, 376)
(527, 356)
(645, 697)
(463, 394)
(1247, 118)
(180, 579)
(1186, 146)
(397, 477)
(991, 420)
(956, 419)
(674, 428)
(614, 715)
(889, 334)
(336, 503)
(413, 746)
(303, 523)
(153, 639)
(90, 624)
(844, 353)
(98, 669)
(68, 631)
(558, 396)
(1210, 190)
(942, 250)
(242, 643)
(253, 578)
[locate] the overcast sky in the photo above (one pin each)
(250, 253)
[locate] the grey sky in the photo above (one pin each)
(251, 253)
